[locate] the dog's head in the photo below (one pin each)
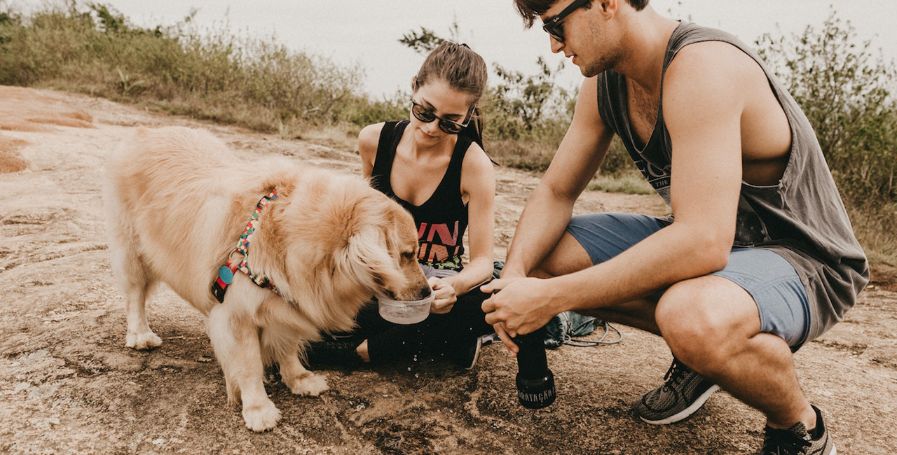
(342, 243)
(383, 248)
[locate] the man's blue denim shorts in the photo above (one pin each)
(767, 277)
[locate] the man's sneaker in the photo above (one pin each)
(797, 441)
(682, 393)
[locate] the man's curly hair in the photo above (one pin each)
(531, 9)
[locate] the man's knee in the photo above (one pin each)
(694, 320)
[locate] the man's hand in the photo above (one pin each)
(522, 306)
(444, 295)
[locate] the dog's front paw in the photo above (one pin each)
(262, 416)
(308, 384)
(143, 340)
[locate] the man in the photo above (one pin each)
(758, 257)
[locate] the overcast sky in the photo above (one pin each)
(365, 32)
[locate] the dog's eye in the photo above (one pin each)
(408, 256)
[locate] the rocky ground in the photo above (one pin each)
(68, 384)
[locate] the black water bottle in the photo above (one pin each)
(535, 382)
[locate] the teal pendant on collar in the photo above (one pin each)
(226, 275)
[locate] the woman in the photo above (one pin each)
(434, 165)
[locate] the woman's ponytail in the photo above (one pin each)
(474, 128)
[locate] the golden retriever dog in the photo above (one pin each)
(178, 200)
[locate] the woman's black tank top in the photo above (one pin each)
(442, 219)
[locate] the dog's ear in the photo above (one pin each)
(367, 257)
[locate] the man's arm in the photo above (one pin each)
(550, 206)
(702, 107)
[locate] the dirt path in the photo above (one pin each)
(68, 384)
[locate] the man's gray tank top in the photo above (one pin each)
(802, 218)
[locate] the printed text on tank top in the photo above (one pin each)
(441, 218)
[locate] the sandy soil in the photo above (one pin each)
(68, 384)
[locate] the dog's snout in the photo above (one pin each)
(424, 292)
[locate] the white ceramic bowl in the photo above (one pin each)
(405, 311)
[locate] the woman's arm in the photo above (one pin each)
(478, 185)
(367, 147)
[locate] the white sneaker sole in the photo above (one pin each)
(683, 414)
(476, 355)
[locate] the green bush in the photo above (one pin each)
(522, 106)
(845, 90)
(846, 93)
(361, 111)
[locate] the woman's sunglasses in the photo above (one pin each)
(554, 25)
(425, 115)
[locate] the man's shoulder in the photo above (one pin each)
(711, 69)
(716, 57)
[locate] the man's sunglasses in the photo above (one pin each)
(554, 25)
(426, 115)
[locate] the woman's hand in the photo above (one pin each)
(444, 293)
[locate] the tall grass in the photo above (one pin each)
(257, 83)
(623, 182)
